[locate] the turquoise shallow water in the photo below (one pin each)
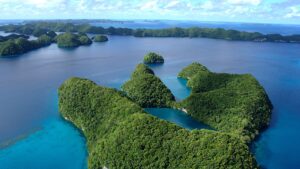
(54, 146)
(28, 93)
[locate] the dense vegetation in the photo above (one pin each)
(71, 40)
(12, 36)
(100, 38)
(216, 33)
(39, 28)
(146, 89)
(230, 103)
(121, 135)
(30, 28)
(20, 45)
(153, 58)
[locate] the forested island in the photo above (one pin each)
(230, 103)
(120, 134)
(14, 44)
(39, 27)
(153, 58)
(100, 38)
(21, 45)
(71, 40)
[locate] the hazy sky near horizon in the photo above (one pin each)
(266, 11)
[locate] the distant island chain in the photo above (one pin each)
(69, 35)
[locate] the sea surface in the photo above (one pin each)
(34, 136)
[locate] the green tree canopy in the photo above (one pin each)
(100, 38)
(147, 90)
(121, 135)
(231, 103)
(153, 58)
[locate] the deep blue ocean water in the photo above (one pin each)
(33, 135)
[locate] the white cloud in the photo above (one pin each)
(237, 10)
(45, 3)
(244, 2)
(150, 5)
(208, 5)
(173, 4)
(294, 12)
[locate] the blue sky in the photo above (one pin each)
(265, 11)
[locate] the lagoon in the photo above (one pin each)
(29, 118)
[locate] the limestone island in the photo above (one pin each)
(72, 40)
(120, 134)
(100, 38)
(153, 58)
(12, 46)
(230, 103)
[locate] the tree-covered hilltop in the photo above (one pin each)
(37, 28)
(12, 37)
(140, 70)
(100, 38)
(153, 58)
(71, 40)
(20, 45)
(230, 103)
(147, 90)
(121, 135)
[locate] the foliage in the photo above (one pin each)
(231, 103)
(152, 58)
(71, 40)
(12, 37)
(51, 34)
(121, 135)
(44, 40)
(100, 38)
(39, 32)
(84, 39)
(191, 70)
(67, 40)
(140, 70)
(29, 28)
(9, 47)
(216, 33)
(19, 46)
(147, 90)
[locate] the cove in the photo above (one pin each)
(177, 117)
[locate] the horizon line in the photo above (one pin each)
(182, 20)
